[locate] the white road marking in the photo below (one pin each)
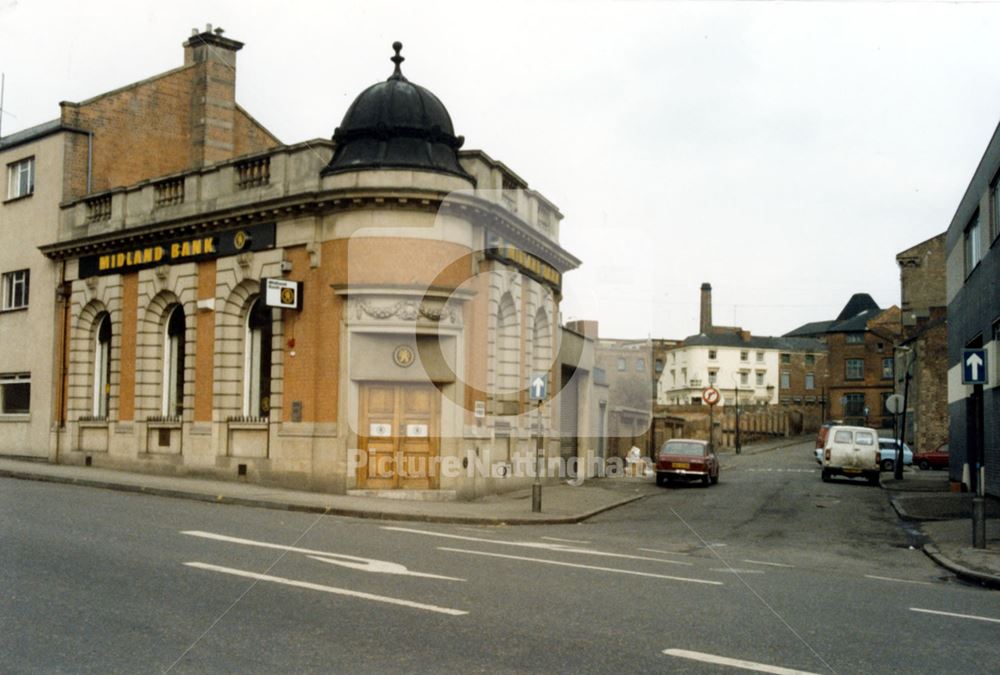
(568, 541)
(353, 562)
(654, 550)
(733, 663)
(577, 565)
(733, 570)
(771, 564)
(902, 581)
(560, 548)
(326, 589)
(957, 616)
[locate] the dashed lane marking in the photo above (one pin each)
(656, 550)
(733, 570)
(957, 616)
(901, 581)
(560, 563)
(733, 663)
(567, 541)
(326, 589)
(560, 548)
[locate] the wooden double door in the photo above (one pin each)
(399, 435)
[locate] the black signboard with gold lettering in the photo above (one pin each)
(175, 251)
(499, 248)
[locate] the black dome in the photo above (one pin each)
(396, 124)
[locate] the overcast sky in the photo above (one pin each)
(784, 152)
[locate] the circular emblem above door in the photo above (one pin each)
(403, 356)
(240, 240)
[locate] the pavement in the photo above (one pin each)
(945, 519)
(561, 503)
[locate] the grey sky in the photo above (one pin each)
(785, 152)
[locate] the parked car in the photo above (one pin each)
(852, 452)
(932, 459)
(887, 459)
(821, 434)
(686, 459)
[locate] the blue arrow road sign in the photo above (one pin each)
(538, 387)
(974, 366)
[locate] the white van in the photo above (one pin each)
(852, 452)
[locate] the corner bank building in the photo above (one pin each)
(359, 314)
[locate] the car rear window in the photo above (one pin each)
(864, 438)
(689, 449)
(842, 437)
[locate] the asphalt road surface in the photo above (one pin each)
(771, 570)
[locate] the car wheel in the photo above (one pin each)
(888, 464)
(661, 479)
(706, 480)
(715, 479)
(826, 476)
(924, 465)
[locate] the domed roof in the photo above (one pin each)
(396, 125)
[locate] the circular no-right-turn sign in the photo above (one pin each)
(710, 395)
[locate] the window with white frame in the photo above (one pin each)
(855, 338)
(640, 365)
(760, 378)
(786, 380)
(173, 363)
(744, 356)
(21, 178)
(622, 364)
(712, 354)
(257, 361)
(760, 357)
(855, 369)
(713, 376)
(888, 369)
(973, 245)
(810, 380)
(15, 393)
(15, 289)
(744, 377)
(102, 368)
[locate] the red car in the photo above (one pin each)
(935, 459)
(685, 459)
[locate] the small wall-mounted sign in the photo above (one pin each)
(416, 431)
(380, 430)
(480, 409)
(282, 293)
(403, 356)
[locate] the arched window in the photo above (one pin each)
(173, 363)
(102, 367)
(508, 350)
(257, 361)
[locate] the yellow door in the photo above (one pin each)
(400, 436)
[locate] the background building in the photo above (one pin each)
(860, 344)
(923, 348)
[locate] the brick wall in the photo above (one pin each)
(882, 333)
(178, 120)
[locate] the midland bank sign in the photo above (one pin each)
(172, 252)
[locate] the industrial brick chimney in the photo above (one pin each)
(706, 309)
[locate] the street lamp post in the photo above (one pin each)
(736, 384)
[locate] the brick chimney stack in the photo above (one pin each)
(214, 102)
(706, 309)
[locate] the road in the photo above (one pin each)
(771, 568)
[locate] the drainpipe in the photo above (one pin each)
(90, 160)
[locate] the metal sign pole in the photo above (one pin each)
(536, 488)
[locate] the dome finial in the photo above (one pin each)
(398, 60)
